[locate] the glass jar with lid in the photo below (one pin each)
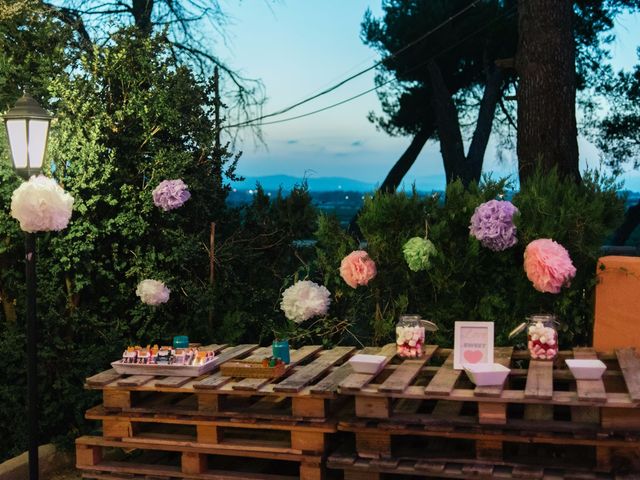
(542, 337)
(410, 333)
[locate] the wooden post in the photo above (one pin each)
(212, 261)
(116, 399)
(194, 463)
(373, 444)
(216, 111)
(88, 455)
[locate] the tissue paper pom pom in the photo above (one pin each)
(152, 292)
(41, 205)
(418, 252)
(492, 224)
(305, 299)
(548, 265)
(170, 194)
(357, 268)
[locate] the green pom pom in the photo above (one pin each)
(418, 252)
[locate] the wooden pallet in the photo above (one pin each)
(162, 459)
(266, 435)
(535, 393)
(357, 468)
(392, 441)
(306, 391)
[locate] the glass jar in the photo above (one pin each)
(410, 334)
(280, 349)
(542, 337)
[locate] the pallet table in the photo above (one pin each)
(421, 417)
(207, 427)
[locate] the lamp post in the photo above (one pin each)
(27, 125)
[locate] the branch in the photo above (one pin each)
(74, 20)
(503, 107)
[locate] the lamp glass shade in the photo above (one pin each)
(37, 138)
(17, 132)
(27, 126)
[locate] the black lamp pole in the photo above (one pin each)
(27, 125)
(32, 350)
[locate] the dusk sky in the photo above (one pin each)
(298, 48)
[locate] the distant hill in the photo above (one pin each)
(331, 184)
(318, 184)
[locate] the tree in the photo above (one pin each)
(183, 23)
(618, 137)
(547, 131)
(440, 78)
(465, 50)
(128, 117)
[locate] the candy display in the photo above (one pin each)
(410, 335)
(542, 337)
(268, 367)
(166, 356)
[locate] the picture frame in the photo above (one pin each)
(473, 343)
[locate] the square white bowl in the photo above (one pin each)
(487, 374)
(586, 369)
(362, 363)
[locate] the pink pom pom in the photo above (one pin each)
(357, 268)
(548, 265)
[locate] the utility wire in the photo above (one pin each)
(420, 65)
(361, 72)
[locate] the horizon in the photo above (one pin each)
(427, 183)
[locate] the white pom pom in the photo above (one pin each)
(41, 205)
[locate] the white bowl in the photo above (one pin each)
(362, 363)
(586, 369)
(487, 374)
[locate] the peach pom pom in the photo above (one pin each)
(357, 268)
(548, 265)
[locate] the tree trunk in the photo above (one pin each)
(545, 62)
(406, 161)
(490, 98)
(451, 145)
(141, 11)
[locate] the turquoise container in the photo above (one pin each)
(180, 341)
(280, 349)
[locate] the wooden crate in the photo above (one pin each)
(540, 416)
(308, 389)
(356, 468)
(611, 403)
(392, 441)
(101, 458)
(212, 417)
(290, 437)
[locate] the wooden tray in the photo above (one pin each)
(246, 369)
(168, 370)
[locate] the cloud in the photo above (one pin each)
(357, 143)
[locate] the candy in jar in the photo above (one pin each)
(542, 337)
(410, 335)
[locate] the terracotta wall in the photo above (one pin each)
(617, 314)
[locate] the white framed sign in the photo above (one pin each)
(473, 343)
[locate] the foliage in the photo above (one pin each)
(618, 136)
(467, 281)
(127, 118)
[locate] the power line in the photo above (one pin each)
(361, 72)
(422, 64)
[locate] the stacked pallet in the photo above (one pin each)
(213, 426)
(420, 417)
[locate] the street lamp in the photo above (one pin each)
(27, 126)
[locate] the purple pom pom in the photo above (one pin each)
(492, 224)
(170, 194)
